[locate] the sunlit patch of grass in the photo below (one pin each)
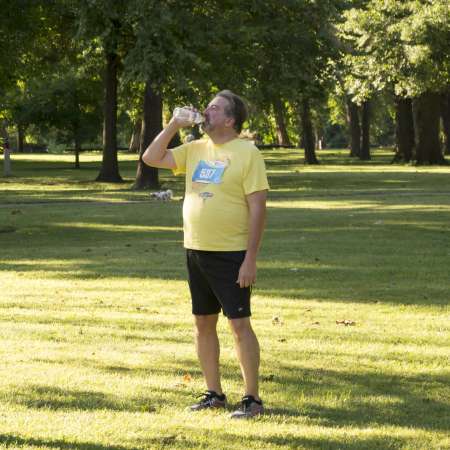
(97, 342)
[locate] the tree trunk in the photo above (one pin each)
(445, 114)
(354, 128)
(426, 112)
(147, 177)
(20, 137)
(77, 142)
(365, 122)
(110, 166)
(6, 151)
(135, 140)
(308, 133)
(175, 141)
(278, 108)
(404, 129)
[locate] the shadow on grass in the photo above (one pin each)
(286, 441)
(13, 441)
(364, 399)
(355, 399)
(337, 254)
(54, 398)
(302, 442)
(177, 368)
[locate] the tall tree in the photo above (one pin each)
(280, 120)
(104, 25)
(109, 170)
(4, 137)
(173, 59)
(426, 112)
(19, 32)
(147, 177)
(290, 57)
(308, 132)
(365, 122)
(354, 128)
(445, 114)
(403, 47)
(404, 123)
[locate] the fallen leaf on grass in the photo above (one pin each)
(277, 321)
(187, 378)
(346, 322)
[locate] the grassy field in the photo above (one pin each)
(96, 330)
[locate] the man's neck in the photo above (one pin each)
(222, 138)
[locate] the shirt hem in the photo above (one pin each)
(214, 249)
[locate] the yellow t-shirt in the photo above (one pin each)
(218, 177)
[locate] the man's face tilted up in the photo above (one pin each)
(216, 119)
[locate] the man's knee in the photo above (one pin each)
(241, 327)
(206, 324)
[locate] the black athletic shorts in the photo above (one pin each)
(212, 281)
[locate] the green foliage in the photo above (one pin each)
(67, 103)
(265, 50)
(402, 46)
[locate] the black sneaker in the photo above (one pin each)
(250, 407)
(210, 399)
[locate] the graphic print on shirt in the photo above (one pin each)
(205, 195)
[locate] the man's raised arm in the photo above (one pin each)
(157, 154)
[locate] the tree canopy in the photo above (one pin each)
(307, 68)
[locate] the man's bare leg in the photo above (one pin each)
(247, 348)
(208, 350)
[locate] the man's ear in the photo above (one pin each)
(229, 122)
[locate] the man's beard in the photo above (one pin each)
(207, 127)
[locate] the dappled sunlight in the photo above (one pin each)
(415, 207)
(44, 263)
(321, 205)
(117, 228)
(290, 266)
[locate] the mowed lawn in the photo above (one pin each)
(96, 330)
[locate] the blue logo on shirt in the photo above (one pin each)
(209, 172)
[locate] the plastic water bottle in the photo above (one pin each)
(194, 117)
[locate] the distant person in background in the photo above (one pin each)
(224, 215)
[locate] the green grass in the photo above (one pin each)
(96, 328)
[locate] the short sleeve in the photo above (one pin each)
(255, 177)
(180, 156)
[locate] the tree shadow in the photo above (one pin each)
(105, 243)
(54, 398)
(367, 398)
(11, 440)
(292, 441)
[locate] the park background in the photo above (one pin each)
(349, 104)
